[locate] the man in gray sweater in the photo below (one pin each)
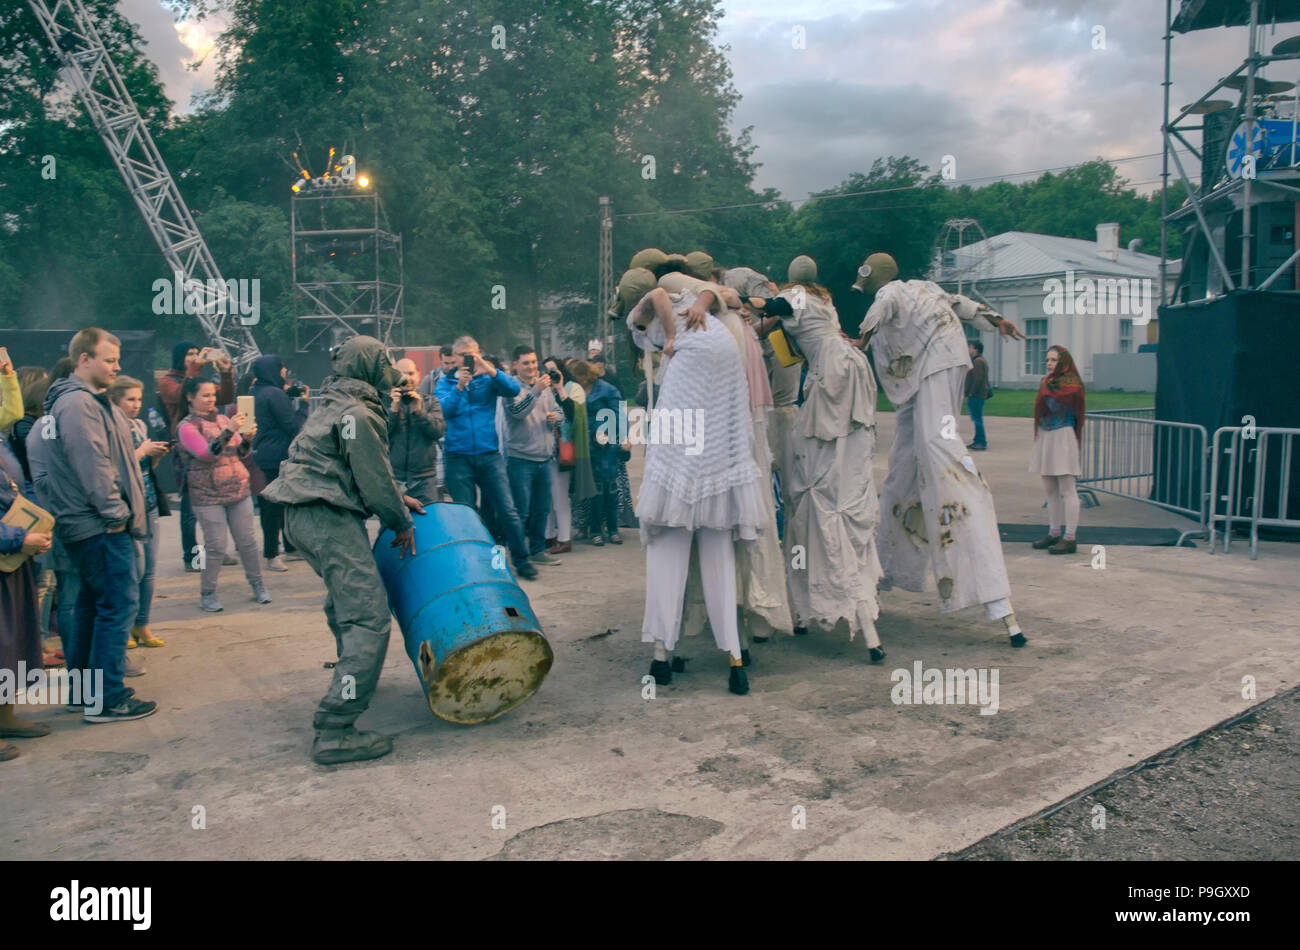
(531, 418)
(85, 472)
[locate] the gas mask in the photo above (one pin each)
(876, 271)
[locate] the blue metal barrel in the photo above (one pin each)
(469, 629)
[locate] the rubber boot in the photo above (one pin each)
(333, 746)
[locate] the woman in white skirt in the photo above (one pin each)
(1058, 433)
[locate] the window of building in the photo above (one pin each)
(1036, 346)
(1125, 335)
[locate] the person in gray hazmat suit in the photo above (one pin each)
(937, 512)
(337, 475)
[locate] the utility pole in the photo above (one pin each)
(605, 291)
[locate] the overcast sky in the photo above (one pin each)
(1004, 86)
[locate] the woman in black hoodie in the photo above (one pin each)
(278, 421)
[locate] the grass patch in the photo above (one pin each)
(1019, 403)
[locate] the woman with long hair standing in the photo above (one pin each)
(218, 487)
(127, 394)
(1058, 433)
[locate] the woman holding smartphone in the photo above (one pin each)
(218, 486)
(128, 394)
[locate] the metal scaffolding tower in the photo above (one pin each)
(1249, 160)
(92, 73)
(347, 270)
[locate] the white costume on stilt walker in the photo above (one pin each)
(762, 601)
(706, 489)
(831, 524)
(938, 516)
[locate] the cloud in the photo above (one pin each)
(1003, 86)
(174, 48)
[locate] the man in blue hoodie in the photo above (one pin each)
(474, 459)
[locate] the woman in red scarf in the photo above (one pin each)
(1058, 433)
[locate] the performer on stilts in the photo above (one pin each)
(831, 527)
(763, 606)
(700, 484)
(938, 510)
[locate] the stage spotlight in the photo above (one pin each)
(363, 181)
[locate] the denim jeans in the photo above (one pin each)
(150, 558)
(67, 587)
(530, 484)
(106, 605)
(189, 529)
(487, 470)
(976, 408)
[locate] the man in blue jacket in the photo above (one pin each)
(469, 405)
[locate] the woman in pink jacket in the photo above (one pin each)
(217, 483)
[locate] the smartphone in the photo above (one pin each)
(247, 406)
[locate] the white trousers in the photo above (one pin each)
(937, 517)
(559, 523)
(667, 558)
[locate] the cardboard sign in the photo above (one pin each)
(29, 516)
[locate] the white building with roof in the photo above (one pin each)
(1093, 297)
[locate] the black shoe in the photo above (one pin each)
(661, 671)
(977, 448)
(744, 657)
(679, 665)
(801, 631)
(1018, 640)
(526, 571)
(877, 654)
(1046, 541)
(739, 682)
(759, 639)
(126, 711)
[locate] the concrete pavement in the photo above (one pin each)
(1122, 662)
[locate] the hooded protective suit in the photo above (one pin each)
(337, 474)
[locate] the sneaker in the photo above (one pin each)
(210, 603)
(260, 594)
(526, 571)
(274, 564)
(293, 556)
(131, 708)
(134, 667)
(335, 746)
(615, 539)
(1046, 541)
(541, 557)
(598, 540)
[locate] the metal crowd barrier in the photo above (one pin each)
(1149, 460)
(1147, 412)
(1244, 497)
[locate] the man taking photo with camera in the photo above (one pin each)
(414, 427)
(474, 460)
